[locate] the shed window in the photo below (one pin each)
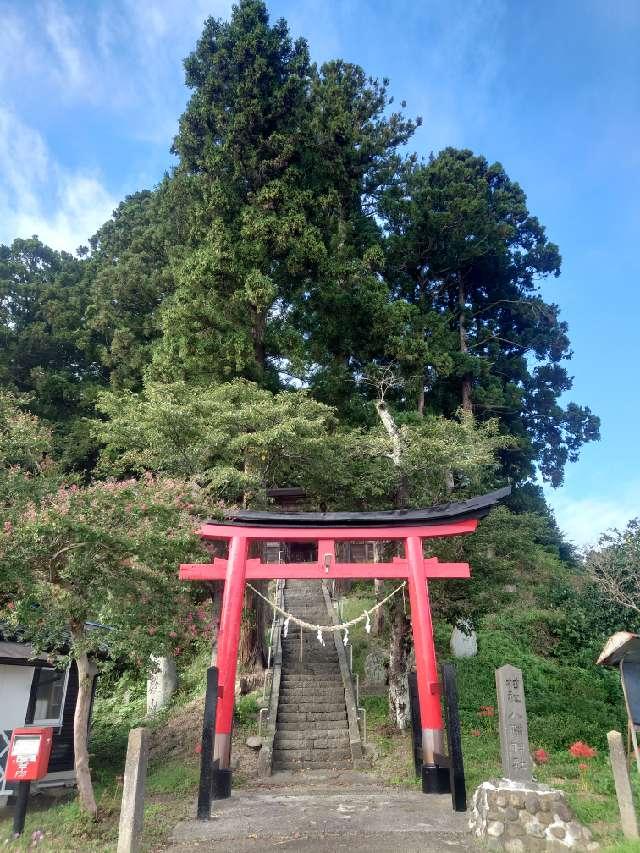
(50, 693)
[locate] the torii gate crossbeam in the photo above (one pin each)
(325, 529)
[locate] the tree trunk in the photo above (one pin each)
(402, 490)
(399, 648)
(377, 623)
(86, 672)
(252, 654)
(400, 639)
(420, 405)
(215, 591)
(467, 405)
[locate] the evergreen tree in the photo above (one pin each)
(130, 277)
(463, 247)
(45, 347)
(239, 186)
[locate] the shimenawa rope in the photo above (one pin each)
(320, 629)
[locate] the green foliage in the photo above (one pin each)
(464, 248)
(105, 554)
(246, 710)
(566, 701)
(238, 440)
(614, 569)
(45, 350)
(27, 470)
(130, 276)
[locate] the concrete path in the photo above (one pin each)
(325, 811)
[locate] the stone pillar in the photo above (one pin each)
(132, 807)
(623, 785)
(161, 684)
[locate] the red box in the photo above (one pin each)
(28, 756)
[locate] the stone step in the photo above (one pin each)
(286, 737)
(292, 723)
(297, 734)
(298, 691)
(315, 707)
(302, 756)
(301, 679)
(332, 719)
(291, 766)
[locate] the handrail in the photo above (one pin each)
(271, 703)
(274, 623)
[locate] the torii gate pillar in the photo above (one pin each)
(426, 666)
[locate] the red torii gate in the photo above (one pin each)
(326, 529)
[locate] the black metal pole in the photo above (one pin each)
(454, 739)
(206, 753)
(22, 801)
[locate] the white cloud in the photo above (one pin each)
(38, 196)
(66, 40)
(584, 519)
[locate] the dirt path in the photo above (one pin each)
(325, 811)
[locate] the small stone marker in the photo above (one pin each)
(623, 785)
(132, 807)
(514, 735)
(161, 684)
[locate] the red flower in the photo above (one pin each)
(486, 711)
(476, 732)
(582, 766)
(581, 750)
(541, 756)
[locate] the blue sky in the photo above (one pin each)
(90, 93)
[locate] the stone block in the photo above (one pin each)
(525, 828)
(495, 828)
(561, 811)
(532, 803)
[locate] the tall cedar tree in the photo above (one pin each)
(240, 188)
(130, 277)
(464, 248)
(280, 165)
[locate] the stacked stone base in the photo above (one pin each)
(518, 817)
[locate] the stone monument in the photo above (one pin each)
(515, 813)
(514, 733)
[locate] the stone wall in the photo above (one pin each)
(518, 817)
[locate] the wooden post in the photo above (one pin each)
(415, 723)
(22, 801)
(206, 752)
(454, 740)
(132, 807)
(623, 785)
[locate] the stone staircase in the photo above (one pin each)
(311, 728)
